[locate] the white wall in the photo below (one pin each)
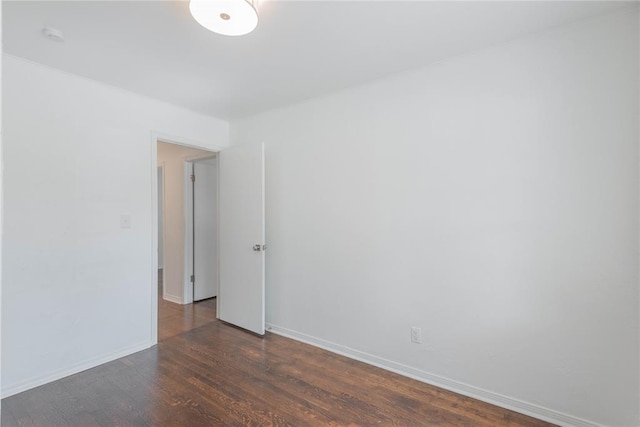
(491, 200)
(77, 289)
(172, 157)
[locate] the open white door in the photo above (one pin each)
(242, 237)
(205, 239)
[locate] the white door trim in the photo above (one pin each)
(161, 177)
(177, 140)
(187, 286)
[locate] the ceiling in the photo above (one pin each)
(301, 49)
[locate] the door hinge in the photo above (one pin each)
(193, 178)
(193, 278)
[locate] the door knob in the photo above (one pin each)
(257, 248)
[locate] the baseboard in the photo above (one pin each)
(497, 399)
(172, 298)
(83, 366)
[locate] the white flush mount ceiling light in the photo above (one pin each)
(228, 17)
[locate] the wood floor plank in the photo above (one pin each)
(204, 372)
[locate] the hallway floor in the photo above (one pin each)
(174, 319)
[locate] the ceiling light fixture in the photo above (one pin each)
(228, 17)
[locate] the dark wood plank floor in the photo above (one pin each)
(175, 319)
(206, 373)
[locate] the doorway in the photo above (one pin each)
(177, 195)
(240, 297)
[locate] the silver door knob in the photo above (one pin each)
(257, 248)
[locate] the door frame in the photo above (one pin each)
(161, 178)
(156, 137)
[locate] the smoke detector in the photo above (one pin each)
(53, 34)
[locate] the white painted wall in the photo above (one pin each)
(492, 200)
(172, 157)
(77, 289)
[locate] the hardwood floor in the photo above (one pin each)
(174, 319)
(206, 373)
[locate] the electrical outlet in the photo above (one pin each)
(416, 335)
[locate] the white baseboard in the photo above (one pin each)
(520, 406)
(12, 389)
(172, 298)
